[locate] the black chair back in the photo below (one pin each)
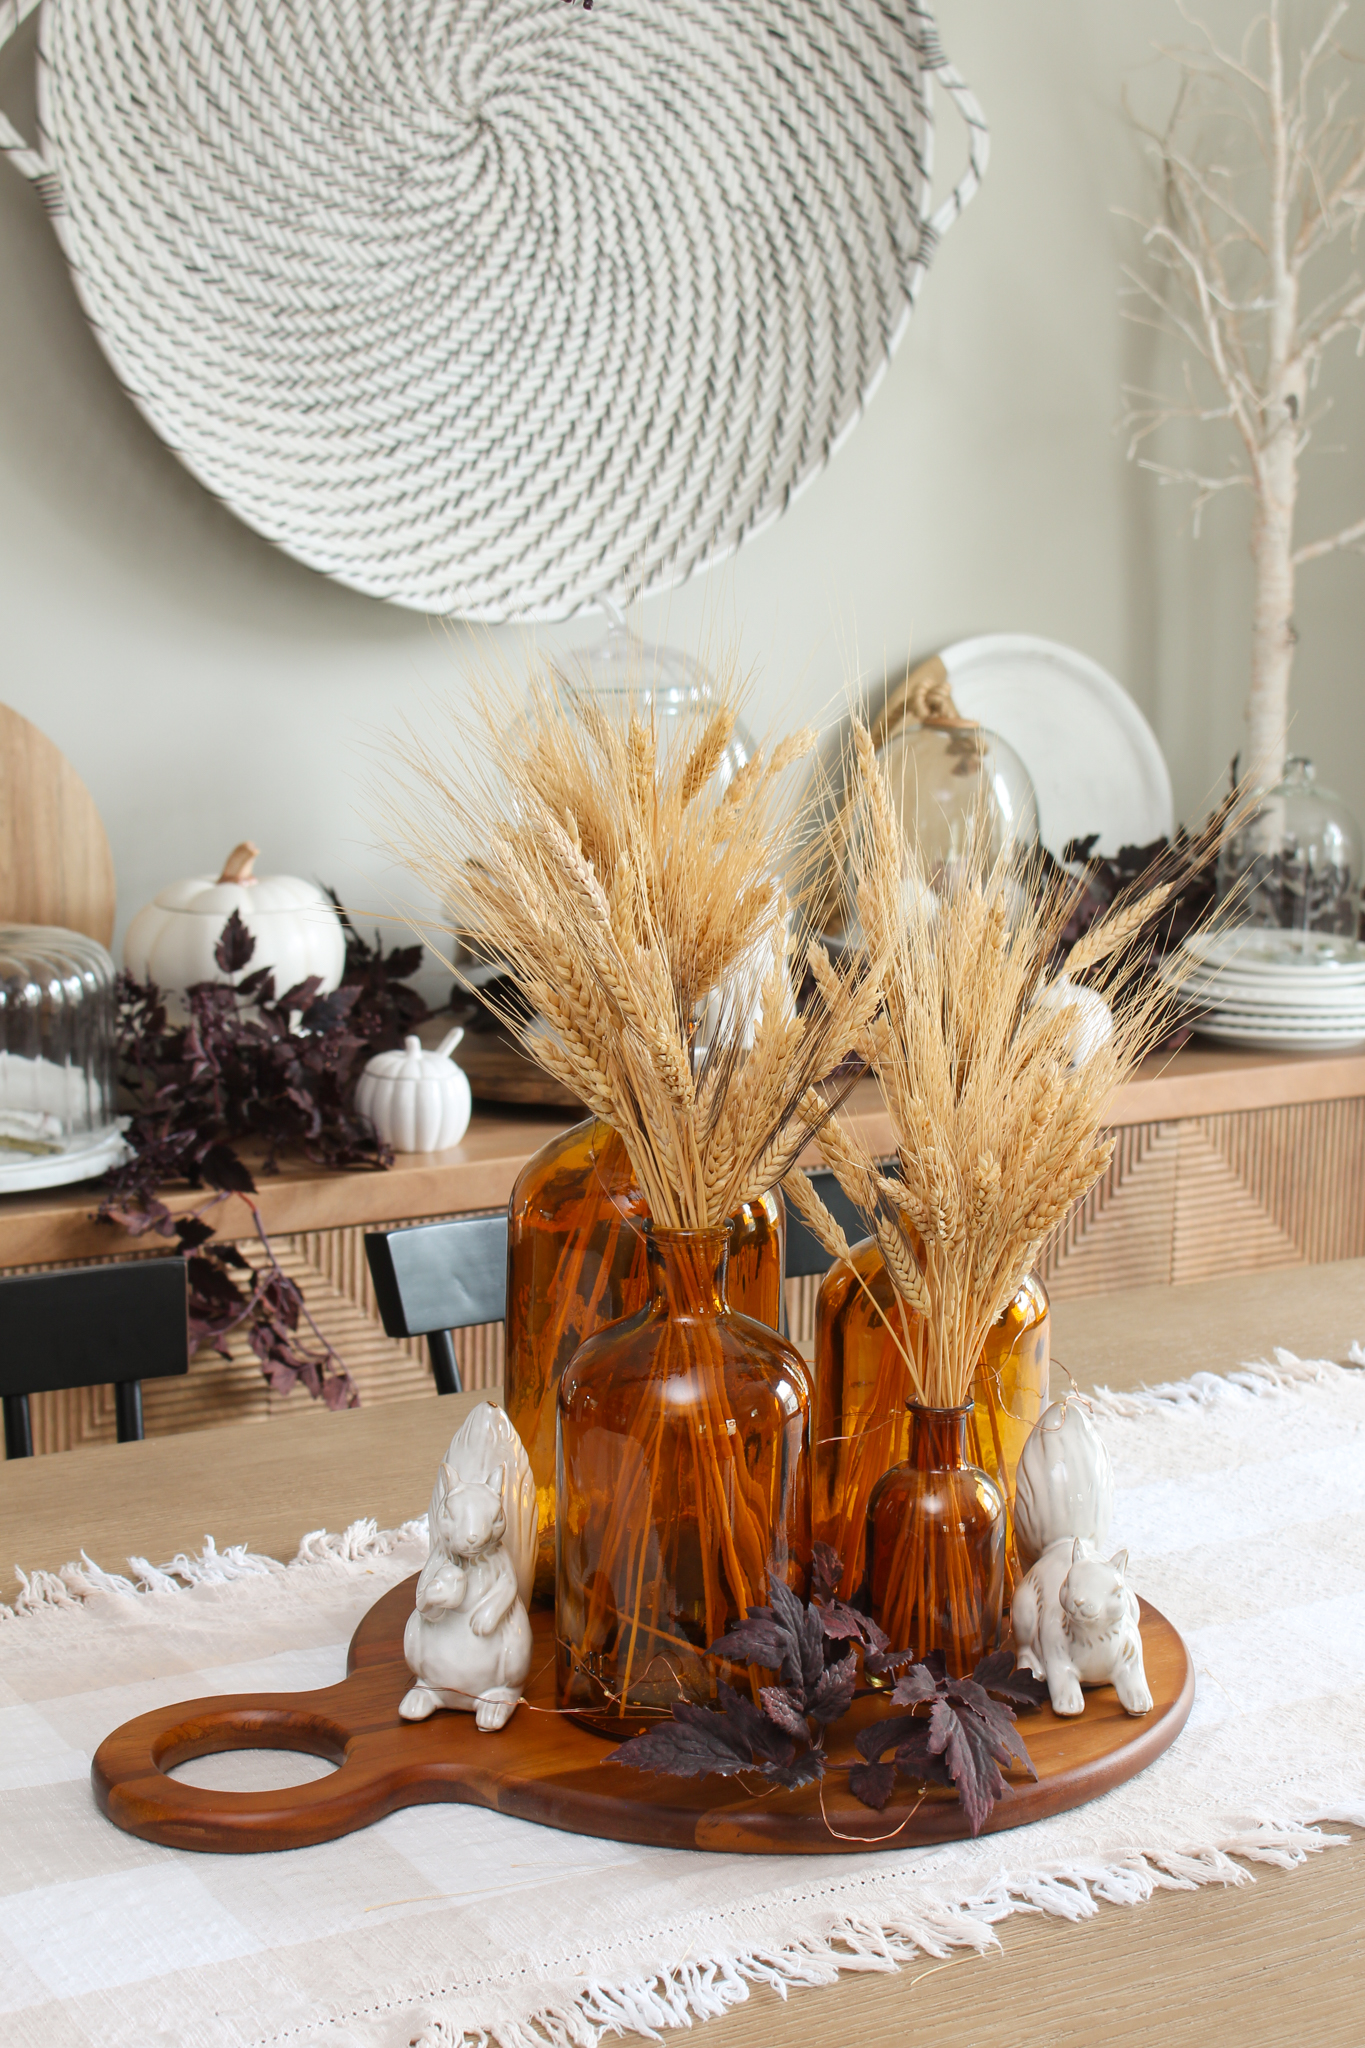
(432, 1278)
(805, 1253)
(89, 1326)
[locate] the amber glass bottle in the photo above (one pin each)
(1009, 1394)
(683, 1479)
(936, 1546)
(861, 1424)
(575, 1262)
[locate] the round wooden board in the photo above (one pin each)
(544, 1767)
(55, 863)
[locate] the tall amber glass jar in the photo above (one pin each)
(1009, 1395)
(936, 1546)
(683, 1479)
(576, 1262)
(862, 1418)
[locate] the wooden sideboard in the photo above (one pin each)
(1226, 1162)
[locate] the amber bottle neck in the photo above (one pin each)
(687, 1270)
(938, 1437)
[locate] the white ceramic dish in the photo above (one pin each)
(1271, 955)
(1279, 1041)
(85, 1160)
(1284, 1027)
(1225, 995)
(1094, 760)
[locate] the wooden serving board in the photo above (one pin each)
(55, 864)
(544, 1767)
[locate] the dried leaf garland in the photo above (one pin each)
(957, 1733)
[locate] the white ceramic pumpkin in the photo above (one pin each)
(417, 1101)
(297, 932)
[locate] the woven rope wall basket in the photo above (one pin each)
(495, 307)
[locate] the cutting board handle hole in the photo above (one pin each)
(251, 1770)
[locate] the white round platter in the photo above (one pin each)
(1279, 1041)
(1095, 762)
(497, 307)
(1225, 994)
(85, 1159)
(1326, 959)
(1299, 1026)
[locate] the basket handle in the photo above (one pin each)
(936, 65)
(31, 162)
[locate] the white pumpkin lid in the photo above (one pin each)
(237, 888)
(413, 1062)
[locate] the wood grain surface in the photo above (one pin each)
(1270, 1964)
(55, 863)
(54, 1225)
(543, 1767)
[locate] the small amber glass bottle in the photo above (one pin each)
(936, 1546)
(576, 1262)
(862, 1391)
(683, 1480)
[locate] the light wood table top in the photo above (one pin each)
(1242, 1966)
(50, 1226)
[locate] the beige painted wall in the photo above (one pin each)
(208, 687)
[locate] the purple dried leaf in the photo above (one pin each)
(235, 945)
(758, 1640)
(784, 1706)
(998, 1674)
(873, 1741)
(873, 1784)
(969, 1756)
(832, 1695)
(808, 1768)
(914, 1687)
(826, 1570)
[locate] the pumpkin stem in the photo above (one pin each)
(237, 867)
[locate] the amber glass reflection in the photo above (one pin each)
(683, 1474)
(576, 1262)
(862, 1391)
(936, 1546)
(1008, 1396)
(862, 1424)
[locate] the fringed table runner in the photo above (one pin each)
(1242, 1502)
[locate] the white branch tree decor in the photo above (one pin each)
(1251, 268)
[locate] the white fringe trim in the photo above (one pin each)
(1285, 1375)
(703, 1989)
(45, 1592)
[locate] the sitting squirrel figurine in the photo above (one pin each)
(1076, 1623)
(468, 1641)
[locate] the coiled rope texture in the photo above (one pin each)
(495, 307)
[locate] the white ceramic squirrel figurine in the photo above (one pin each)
(1076, 1623)
(468, 1641)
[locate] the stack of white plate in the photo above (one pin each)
(1284, 991)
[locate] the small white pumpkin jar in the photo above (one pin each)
(297, 931)
(417, 1101)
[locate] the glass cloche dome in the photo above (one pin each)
(621, 669)
(57, 1057)
(1295, 862)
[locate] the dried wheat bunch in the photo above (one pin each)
(638, 908)
(996, 1074)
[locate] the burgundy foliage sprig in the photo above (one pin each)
(275, 1072)
(956, 1732)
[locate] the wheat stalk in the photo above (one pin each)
(997, 1117)
(636, 905)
